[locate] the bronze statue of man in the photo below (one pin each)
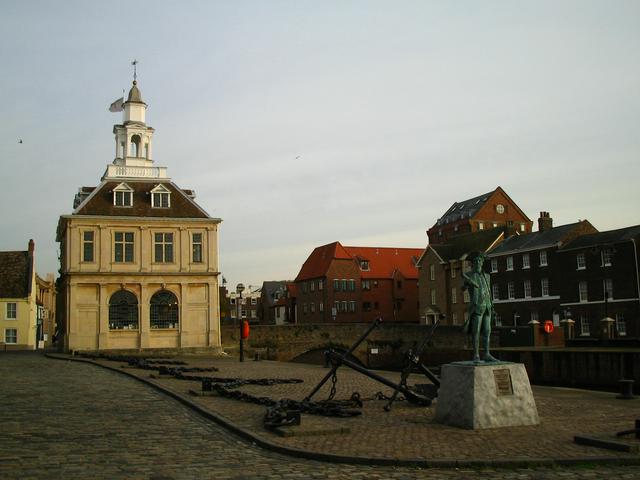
(480, 310)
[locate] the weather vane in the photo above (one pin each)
(135, 75)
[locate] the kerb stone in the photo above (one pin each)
(485, 395)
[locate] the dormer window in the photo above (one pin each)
(364, 265)
(160, 197)
(123, 195)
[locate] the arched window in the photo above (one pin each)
(135, 146)
(164, 310)
(123, 311)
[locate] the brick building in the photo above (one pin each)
(440, 278)
(490, 210)
(600, 281)
(358, 284)
(526, 275)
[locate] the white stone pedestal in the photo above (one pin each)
(485, 395)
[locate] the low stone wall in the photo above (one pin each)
(383, 348)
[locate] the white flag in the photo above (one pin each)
(117, 106)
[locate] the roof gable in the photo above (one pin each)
(460, 246)
(318, 262)
(606, 237)
(540, 239)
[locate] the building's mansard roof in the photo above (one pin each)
(464, 209)
(383, 261)
(604, 238)
(99, 201)
(15, 274)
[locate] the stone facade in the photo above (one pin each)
(139, 258)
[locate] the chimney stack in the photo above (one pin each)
(545, 222)
(32, 246)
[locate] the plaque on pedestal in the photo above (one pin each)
(485, 395)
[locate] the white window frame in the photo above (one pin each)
(123, 196)
(527, 288)
(480, 227)
(432, 272)
(9, 312)
(14, 337)
(495, 291)
(585, 326)
(465, 296)
(320, 307)
(494, 265)
(544, 287)
(433, 296)
(583, 292)
(605, 257)
(581, 261)
(607, 286)
(454, 295)
(158, 194)
(511, 290)
(535, 316)
(621, 325)
(453, 272)
(509, 263)
(526, 261)
(544, 261)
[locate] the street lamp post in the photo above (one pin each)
(239, 290)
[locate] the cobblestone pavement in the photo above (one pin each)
(62, 419)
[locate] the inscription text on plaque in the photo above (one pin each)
(502, 376)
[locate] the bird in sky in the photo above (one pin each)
(20, 140)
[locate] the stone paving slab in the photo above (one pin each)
(408, 433)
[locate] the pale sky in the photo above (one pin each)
(300, 123)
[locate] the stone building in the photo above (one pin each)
(46, 304)
(139, 257)
(18, 309)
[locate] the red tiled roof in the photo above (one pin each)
(384, 261)
(318, 262)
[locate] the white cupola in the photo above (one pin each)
(134, 137)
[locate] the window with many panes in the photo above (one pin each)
(321, 307)
(352, 306)
(312, 286)
(163, 247)
(544, 287)
(607, 287)
(494, 265)
(584, 325)
(581, 261)
(621, 325)
(320, 285)
(336, 285)
(123, 247)
(123, 196)
(432, 272)
(11, 311)
(583, 294)
(366, 284)
(352, 285)
(511, 290)
(526, 262)
(465, 296)
(606, 257)
(11, 336)
(527, 288)
(160, 197)
(433, 297)
(164, 310)
(543, 258)
(495, 290)
(123, 311)
(453, 272)
(509, 263)
(454, 295)
(196, 247)
(88, 246)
